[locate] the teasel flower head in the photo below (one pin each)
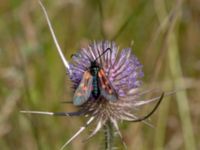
(123, 71)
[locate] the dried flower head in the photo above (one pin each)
(106, 85)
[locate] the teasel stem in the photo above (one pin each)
(108, 128)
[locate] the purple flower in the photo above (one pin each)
(123, 70)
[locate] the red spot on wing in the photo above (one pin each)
(86, 78)
(84, 88)
(104, 82)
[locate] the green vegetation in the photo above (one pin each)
(32, 77)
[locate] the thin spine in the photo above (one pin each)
(98, 127)
(65, 62)
(78, 113)
(119, 133)
(78, 132)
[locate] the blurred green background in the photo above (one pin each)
(166, 35)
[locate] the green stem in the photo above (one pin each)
(176, 71)
(108, 136)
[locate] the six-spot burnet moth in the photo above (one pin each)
(94, 84)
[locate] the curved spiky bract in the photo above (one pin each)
(65, 62)
(78, 132)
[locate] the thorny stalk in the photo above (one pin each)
(108, 135)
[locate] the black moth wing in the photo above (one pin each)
(107, 91)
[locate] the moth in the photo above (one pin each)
(94, 84)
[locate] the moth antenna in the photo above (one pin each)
(108, 49)
(78, 132)
(78, 113)
(65, 62)
(149, 114)
(119, 133)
